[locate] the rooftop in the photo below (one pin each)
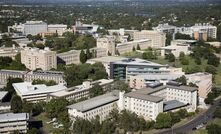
(131, 42)
(3, 94)
(107, 59)
(26, 88)
(14, 117)
(144, 96)
(172, 104)
(95, 102)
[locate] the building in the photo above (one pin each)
(142, 81)
(128, 46)
(56, 76)
(85, 28)
(175, 50)
(98, 106)
(182, 41)
(9, 52)
(5, 74)
(203, 81)
(122, 32)
(166, 28)
(3, 94)
(22, 42)
(108, 43)
(5, 107)
(34, 58)
(70, 57)
(35, 93)
(158, 38)
(210, 30)
(35, 27)
(158, 98)
(10, 122)
(106, 61)
(80, 91)
(57, 28)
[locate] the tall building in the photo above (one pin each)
(107, 43)
(11, 122)
(34, 58)
(35, 27)
(158, 38)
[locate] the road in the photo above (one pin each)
(204, 117)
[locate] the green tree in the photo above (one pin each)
(83, 56)
(88, 53)
(47, 83)
(134, 48)
(27, 107)
(184, 61)
(217, 112)
(163, 120)
(175, 117)
(96, 90)
(213, 129)
(211, 69)
(16, 104)
(138, 47)
(182, 55)
(182, 80)
(170, 57)
(9, 86)
(182, 113)
(33, 131)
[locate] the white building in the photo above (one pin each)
(85, 28)
(35, 27)
(5, 107)
(57, 28)
(149, 102)
(158, 38)
(35, 93)
(98, 106)
(128, 46)
(34, 58)
(80, 91)
(108, 43)
(175, 50)
(70, 57)
(11, 122)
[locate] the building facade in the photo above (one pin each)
(35, 27)
(158, 38)
(11, 122)
(57, 28)
(34, 58)
(70, 57)
(107, 43)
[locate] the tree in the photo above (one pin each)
(217, 112)
(170, 57)
(121, 85)
(82, 126)
(184, 61)
(138, 47)
(213, 129)
(88, 53)
(16, 104)
(47, 83)
(26, 107)
(9, 86)
(213, 60)
(33, 131)
(163, 120)
(175, 117)
(96, 90)
(37, 108)
(182, 113)
(134, 48)
(83, 56)
(182, 55)
(182, 80)
(211, 69)
(198, 61)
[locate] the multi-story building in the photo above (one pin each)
(166, 28)
(122, 32)
(204, 83)
(5, 74)
(35, 27)
(98, 106)
(57, 28)
(211, 31)
(149, 102)
(34, 58)
(158, 38)
(107, 43)
(35, 93)
(80, 91)
(85, 28)
(9, 52)
(128, 46)
(70, 57)
(11, 122)
(5, 107)
(175, 50)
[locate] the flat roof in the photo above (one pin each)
(131, 42)
(159, 76)
(3, 71)
(172, 104)
(26, 88)
(107, 59)
(14, 117)
(95, 102)
(144, 97)
(3, 94)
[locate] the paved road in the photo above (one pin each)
(205, 117)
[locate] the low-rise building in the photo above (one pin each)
(34, 58)
(5, 74)
(175, 50)
(11, 122)
(98, 106)
(157, 98)
(9, 52)
(57, 28)
(80, 91)
(85, 28)
(128, 46)
(70, 57)
(158, 39)
(35, 93)
(108, 43)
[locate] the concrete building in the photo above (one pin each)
(107, 43)
(35, 93)
(182, 41)
(9, 52)
(158, 38)
(5, 107)
(128, 46)
(35, 27)
(70, 57)
(98, 106)
(11, 122)
(210, 30)
(203, 81)
(166, 28)
(34, 58)
(175, 50)
(80, 91)
(149, 102)
(85, 28)
(57, 28)
(122, 32)
(5, 74)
